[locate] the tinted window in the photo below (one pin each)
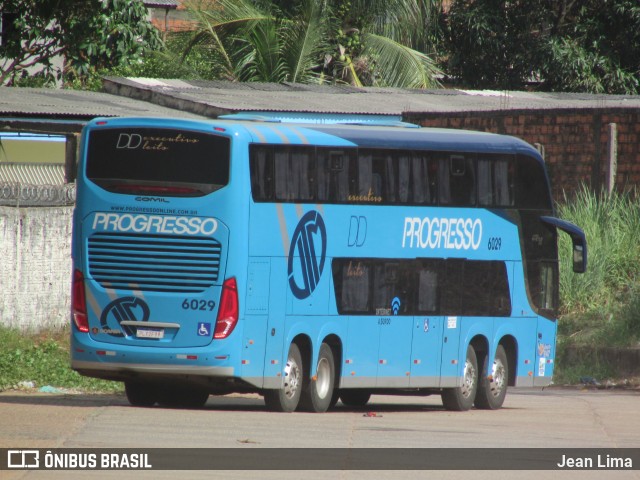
(540, 252)
(421, 286)
(496, 180)
(532, 190)
(456, 179)
(396, 177)
(157, 161)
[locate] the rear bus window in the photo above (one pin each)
(151, 161)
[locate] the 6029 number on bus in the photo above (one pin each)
(202, 305)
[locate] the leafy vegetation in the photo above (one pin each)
(602, 307)
(44, 360)
(83, 36)
(341, 41)
(554, 45)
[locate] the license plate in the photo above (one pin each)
(157, 333)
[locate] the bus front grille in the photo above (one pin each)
(154, 263)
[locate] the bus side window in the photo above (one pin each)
(365, 176)
(323, 175)
(457, 180)
(452, 287)
(485, 289)
(420, 179)
(340, 169)
(428, 289)
(352, 279)
(294, 175)
(389, 176)
(282, 172)
(543, 285)
(548, 293)
(404, 175)
(385, 277)
(495, 181)
(261, 174)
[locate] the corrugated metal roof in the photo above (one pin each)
(32, 174)
(217, 98)
(198, 99)
(161, 4)
(77, 104)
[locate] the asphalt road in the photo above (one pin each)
(555, 417)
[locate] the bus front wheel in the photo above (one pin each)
(492, 389)
(286, 398)
(461, 398)
(317, 393)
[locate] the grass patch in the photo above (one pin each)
(601, 307)
(43, 358)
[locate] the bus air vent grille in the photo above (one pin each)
(154, 263)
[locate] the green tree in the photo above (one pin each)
(560, 45)
(319, 41)
(88, 35)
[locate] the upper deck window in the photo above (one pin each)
(152, 161)
(306, 174)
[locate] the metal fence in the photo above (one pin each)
(29, 195)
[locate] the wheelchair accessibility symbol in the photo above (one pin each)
(307, 255)
(204, 329)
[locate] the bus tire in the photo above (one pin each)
(287, 398)
(182, 397)
(140, 394)
(355, 398)
(492, 389)
(317, 392)
(334, 398)
(461, 398)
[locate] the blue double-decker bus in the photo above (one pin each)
(313, 262)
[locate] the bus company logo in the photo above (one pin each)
(129, 140)
(448, 233)
(159, 224)
(308, 248)
(125, 308)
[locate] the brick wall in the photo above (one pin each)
(575, 141)
(35, 267)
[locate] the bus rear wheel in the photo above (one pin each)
(461, 398)
(141, 394)
(355, 398)
(287, 398)
(317, 393)
(492, 389)
(182, 397)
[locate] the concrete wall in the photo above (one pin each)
(35, 267)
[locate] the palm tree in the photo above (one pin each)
(359, 42)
